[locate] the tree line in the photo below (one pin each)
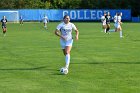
(134, 5)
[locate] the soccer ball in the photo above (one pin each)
(64, 70)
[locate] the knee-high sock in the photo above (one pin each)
(105, 30)
(67, 59)
(112, 30)
(121, 34)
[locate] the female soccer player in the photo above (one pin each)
(64, 31)
(103, 20)
(45, 20)
(21, 20)
(118, 24)
(3, 21)
(108, 21)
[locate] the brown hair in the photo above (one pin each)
(65, 16)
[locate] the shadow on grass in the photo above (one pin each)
(54, 71)
(34, 68)
(57, 73)
(108, 63)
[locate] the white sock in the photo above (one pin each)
(112, 30)
(121, 34)
(105, 30)
(67, 59)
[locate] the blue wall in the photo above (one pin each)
(135, 19)
(75, 14)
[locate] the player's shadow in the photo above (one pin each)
(108, 63)
(33, 68)
(53, 71)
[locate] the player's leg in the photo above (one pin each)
(66, 52)
(67, 55)
(120, 29)
(116, 27)
(64, 49)
(4, 31)
(68, 48)
(104, 27)
(22, 22)
(108, 28)
(113, 30)
(45, 24)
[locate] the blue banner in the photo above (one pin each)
(75, 14)
(86, 14)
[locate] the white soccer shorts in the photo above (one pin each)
(117, 25)
(104, 23)
(65, 43)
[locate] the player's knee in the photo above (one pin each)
(67, 52)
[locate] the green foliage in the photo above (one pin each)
(19, 4)
(7, 4)
(72, 4)
(67, 4)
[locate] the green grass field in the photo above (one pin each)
(30, 59)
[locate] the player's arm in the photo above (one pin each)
(102, 19)
(77, 34)
(120, 22)
(57, 32)
(76, 30)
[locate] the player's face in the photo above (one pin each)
(104, 14)
(120, 14)
(108, 13)
(66, 19)
(3, 17)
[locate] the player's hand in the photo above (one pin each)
(63, 37)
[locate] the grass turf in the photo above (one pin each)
(30, 59)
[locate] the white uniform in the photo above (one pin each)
(45, 19)
(66, 31)
(115, 18)
(117, 23)
(103, 19)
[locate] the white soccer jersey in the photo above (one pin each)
(103, 19)
(45, 19)
(66, 29)
(118, 19)
(117, 23)
(115, 18)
